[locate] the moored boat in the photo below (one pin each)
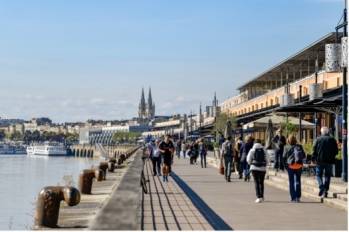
(47, 149)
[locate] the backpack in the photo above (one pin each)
(259, 158)
(228, 149)
(296, 155)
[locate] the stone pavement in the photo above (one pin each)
(167, 207)
(233, 203)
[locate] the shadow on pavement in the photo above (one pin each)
(212, 218)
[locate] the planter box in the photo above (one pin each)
(337, 170)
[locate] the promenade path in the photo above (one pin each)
(231, 205)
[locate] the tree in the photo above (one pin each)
(221, 122)
(2, 135)
(122, 137)
(288, 127)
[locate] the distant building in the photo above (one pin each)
(146, 110)
(104, 134)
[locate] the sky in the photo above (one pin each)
(83, 59)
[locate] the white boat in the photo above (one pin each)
(7, 149)
(47, 149)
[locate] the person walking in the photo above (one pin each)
(195, 152)
(203, 153)
(294, 155)
(166, 148)
(245, 149)
(154, 155)
(183, 149)
(258, 159)
(237, 156)
(178, 148)
(325, 150)
(228, 154)
(280, 142)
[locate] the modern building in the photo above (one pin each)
(299, 79)
(104, 134)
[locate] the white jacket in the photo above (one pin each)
(251, 155)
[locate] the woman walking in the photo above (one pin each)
(245, 149)
(258, 159)
(294, 156)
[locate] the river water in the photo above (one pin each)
(21, 179)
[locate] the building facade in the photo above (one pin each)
(298, 79)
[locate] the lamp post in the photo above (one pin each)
(344, 97)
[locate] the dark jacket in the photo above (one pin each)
(325, 150)
(244, 150)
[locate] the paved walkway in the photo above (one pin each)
(233, 203)
(167, 207)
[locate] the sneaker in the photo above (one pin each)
(229, 179)
(321, 193)
(326, 195)
(298, 200)
(258, 200)
(293, 201)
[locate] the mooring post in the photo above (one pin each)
(49, 199)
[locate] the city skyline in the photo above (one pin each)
(73, 65)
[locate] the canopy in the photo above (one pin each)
(277, 121)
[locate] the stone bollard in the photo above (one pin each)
(86, 179)
(111, 165)
(104, 167)
(49, 199)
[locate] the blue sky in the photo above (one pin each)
(75, 60)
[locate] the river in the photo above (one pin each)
(21, 179)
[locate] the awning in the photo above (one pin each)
(277, 120)
(331, 102)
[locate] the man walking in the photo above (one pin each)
(203, 153)
(228, 153)
(166, 148)
(280, 142)
(324, 152)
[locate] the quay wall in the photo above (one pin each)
(93, 151)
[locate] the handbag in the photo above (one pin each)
(221, 168)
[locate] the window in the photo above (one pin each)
(305, 91)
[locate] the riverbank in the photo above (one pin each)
(81, 215)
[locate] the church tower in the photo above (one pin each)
(146, 110)
(142, 109)
(150, 106)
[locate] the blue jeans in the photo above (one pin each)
(294, 176)
(324, 185)
(278, 162)
(228, 160)
(246, 169)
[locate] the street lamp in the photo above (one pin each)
(336, 58)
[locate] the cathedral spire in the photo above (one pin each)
(150, 106)
(150, 99)
(142, 106)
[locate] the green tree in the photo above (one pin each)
(2, 135)
(221, 122)
(288, 127)
(126, 137)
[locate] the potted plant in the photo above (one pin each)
(338, 165)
